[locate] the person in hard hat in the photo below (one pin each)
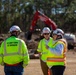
(56, 61)
(47, 40)
(14, 54)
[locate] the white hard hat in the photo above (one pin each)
(58, 32)
(15, 28)
(46, 30)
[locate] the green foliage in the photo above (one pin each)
(20, 12)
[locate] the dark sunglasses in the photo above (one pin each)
(46, 33)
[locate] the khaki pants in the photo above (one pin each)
(45, 68)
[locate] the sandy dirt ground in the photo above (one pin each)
(34, 66)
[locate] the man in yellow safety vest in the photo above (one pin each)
(14, 54)
(47, 40)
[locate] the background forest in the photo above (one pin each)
(20, 12)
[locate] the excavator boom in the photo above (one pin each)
(38, 15)
(44, 18)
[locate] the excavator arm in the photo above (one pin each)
(38, 15)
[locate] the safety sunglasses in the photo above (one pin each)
(46, 33)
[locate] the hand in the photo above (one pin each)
(24, 65)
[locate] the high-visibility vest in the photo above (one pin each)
(53, 59)
(14, 50)
(42, 48)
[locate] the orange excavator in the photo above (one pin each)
(40, 16)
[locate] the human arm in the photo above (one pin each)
(39, 49)
(58, 49)
(1, 54)
(25, 54)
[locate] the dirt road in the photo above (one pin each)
(34, 66)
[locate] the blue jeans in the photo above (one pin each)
(13, 70)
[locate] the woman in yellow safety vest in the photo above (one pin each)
(14, 54)
(47, 40)
(56, 60)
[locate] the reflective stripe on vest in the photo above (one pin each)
(15, 53)
(55, 59)
(64, 41)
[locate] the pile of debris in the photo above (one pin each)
(32, 44)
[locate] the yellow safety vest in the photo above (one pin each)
(42, 48)
(14, 50)
(53, 59)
